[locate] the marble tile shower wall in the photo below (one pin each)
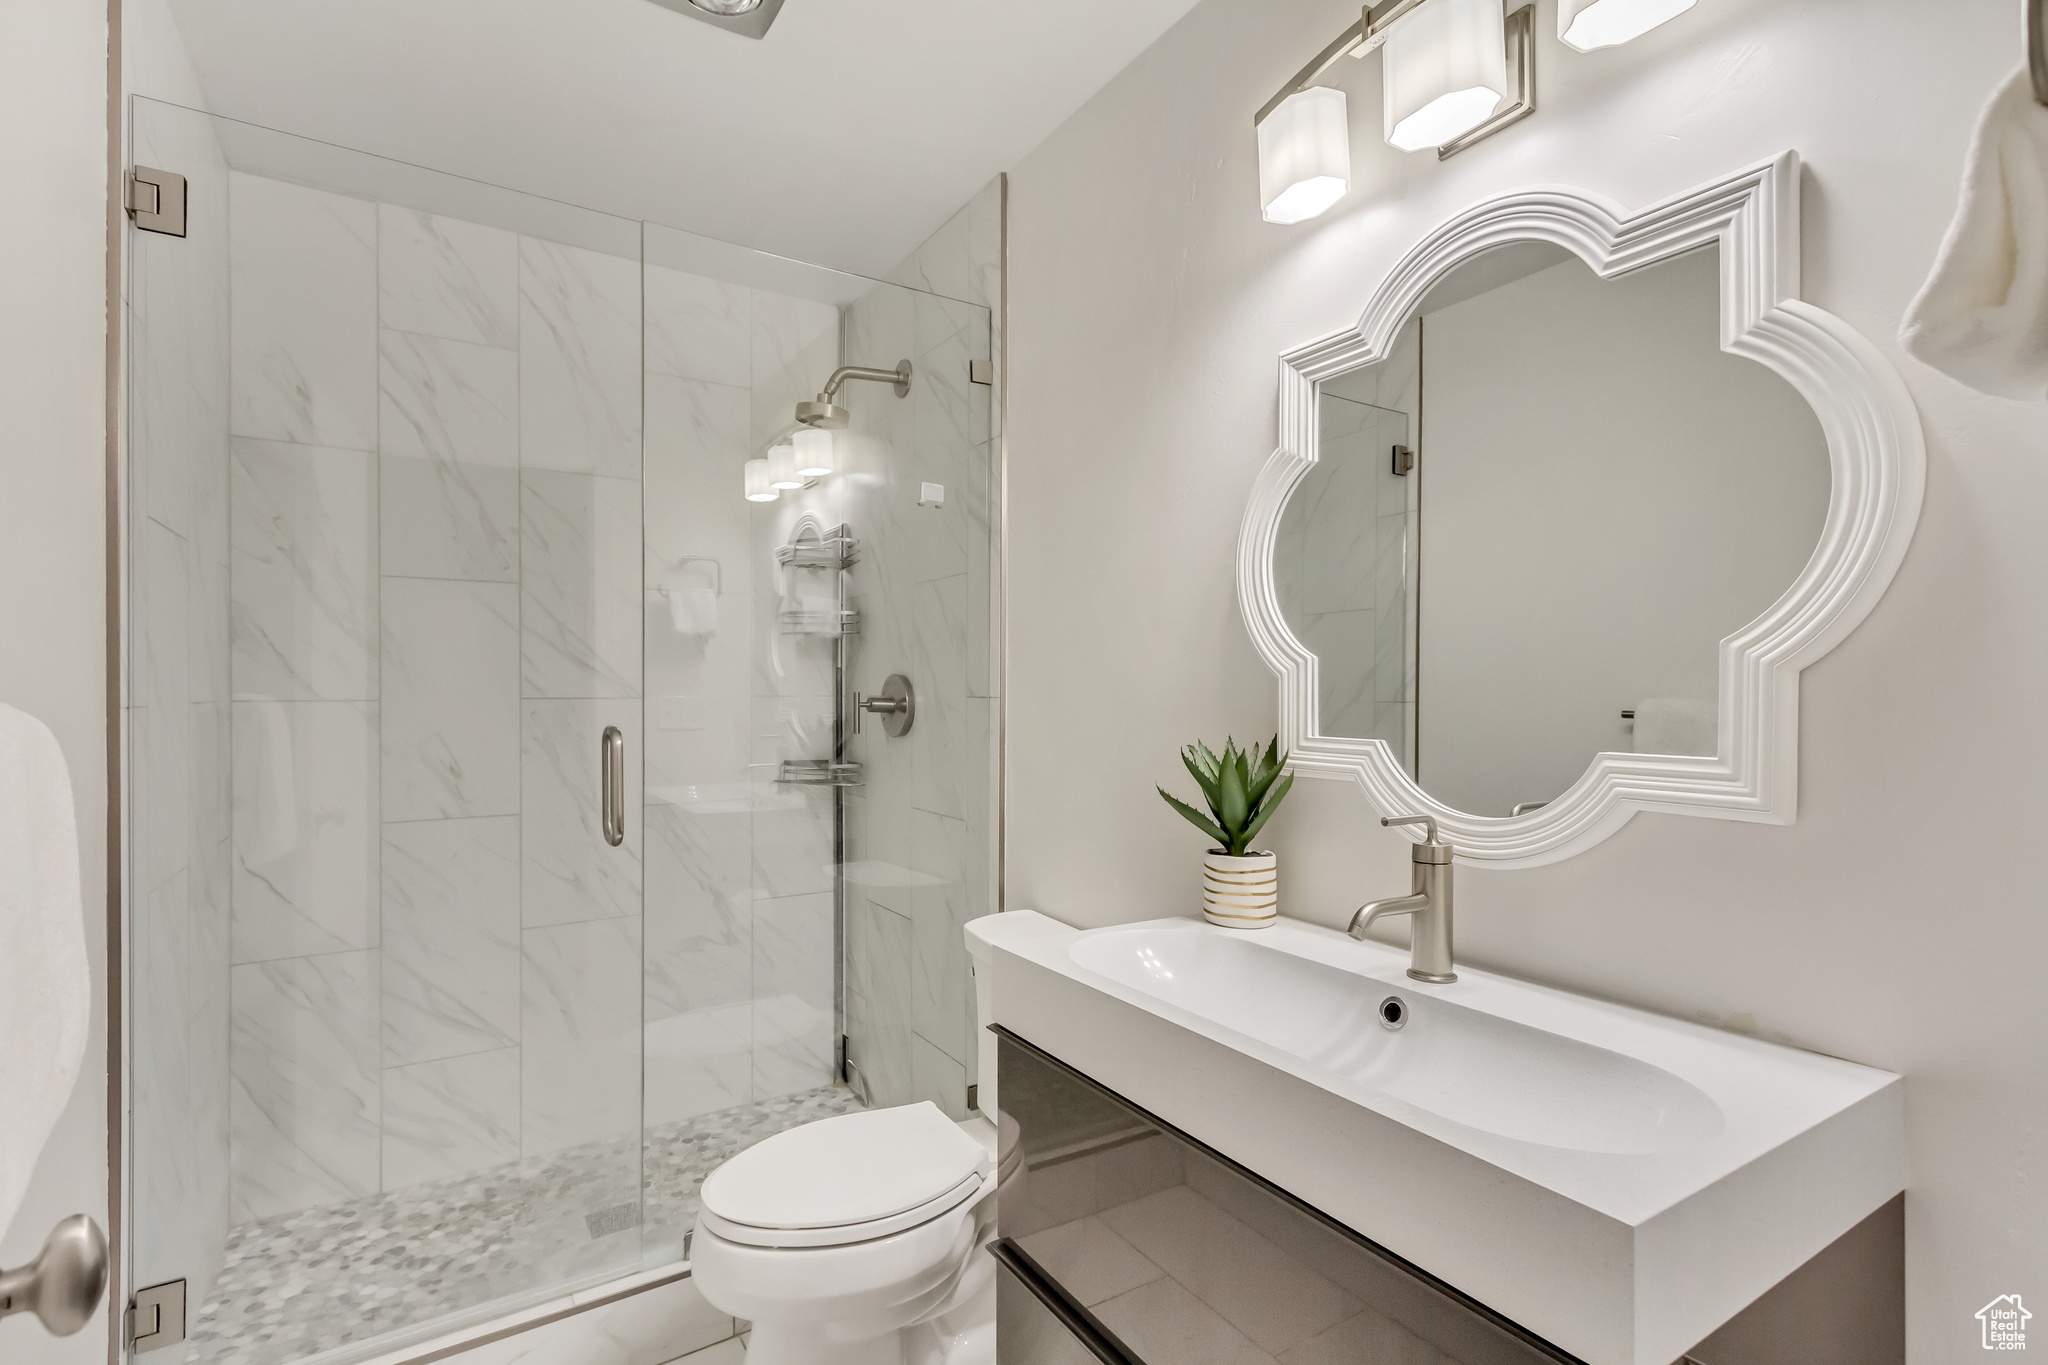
(921, 859)
(177, 713)
(434, 959)
(739, 911)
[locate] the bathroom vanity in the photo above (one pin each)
(1278, 1146)
(1124, 1235)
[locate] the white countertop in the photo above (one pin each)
(1617, 1181)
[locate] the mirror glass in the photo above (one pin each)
(1531, 524)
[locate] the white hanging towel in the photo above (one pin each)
(693, 611)
(45, 983)
(1982, 316)
(692, 588)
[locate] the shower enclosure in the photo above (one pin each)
(432, 486)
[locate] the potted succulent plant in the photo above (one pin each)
(1240, 886)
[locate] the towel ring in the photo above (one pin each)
(2037, 47)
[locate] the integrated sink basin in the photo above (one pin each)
(1619, 1182)
(1407, 1049)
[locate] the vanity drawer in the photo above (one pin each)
(1039, 1323)
(1117, 1227)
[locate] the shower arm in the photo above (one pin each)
(899, 377)
(828, 415)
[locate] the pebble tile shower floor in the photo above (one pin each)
(323, 1278)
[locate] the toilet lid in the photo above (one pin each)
(855, 1168)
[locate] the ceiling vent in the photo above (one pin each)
(748, 18)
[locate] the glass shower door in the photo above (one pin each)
(806, 884)
(384, 533)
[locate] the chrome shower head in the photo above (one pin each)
(828, 415)
(824, 414)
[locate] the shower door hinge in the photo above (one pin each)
(981, 372)
(156, 200)
(1404, 460)
(156, 1317)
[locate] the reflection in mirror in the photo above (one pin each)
(1594, 496)
(1342, 552)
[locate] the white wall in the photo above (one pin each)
(1152, 304)
(53, 540)
(1605, 495)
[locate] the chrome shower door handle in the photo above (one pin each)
(612, 756)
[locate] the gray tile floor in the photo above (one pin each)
(1179, 1279)
(320, 1279)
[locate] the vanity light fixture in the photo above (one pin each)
(782, 466)
(1446, 72)
(1304, 155)
(758, 487)
(813, 452)
(1589, 24)
(1457, 71)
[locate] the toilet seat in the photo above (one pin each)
(843, 1234)
(852, 1178)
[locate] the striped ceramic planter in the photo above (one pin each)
(1240, 893)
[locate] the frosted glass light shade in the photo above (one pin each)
(1446, 71)
(782, 467)
(1590, 24)
(1304, 155)
(758, 488)
(813, 452)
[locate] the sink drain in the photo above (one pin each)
(1393, 1012)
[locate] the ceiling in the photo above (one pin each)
(844, 137)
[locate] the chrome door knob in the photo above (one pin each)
(63, 1284)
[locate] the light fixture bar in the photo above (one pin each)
(1303, 79)
(1370, 33)
(1361, 38)
(1521, 34)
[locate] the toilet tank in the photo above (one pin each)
(981, 954)
(982, 936)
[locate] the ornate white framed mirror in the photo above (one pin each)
(1550, 534)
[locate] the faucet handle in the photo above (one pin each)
(1429, 850)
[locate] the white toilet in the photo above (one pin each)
(860, 1240)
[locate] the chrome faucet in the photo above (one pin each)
(1430, 903)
